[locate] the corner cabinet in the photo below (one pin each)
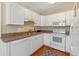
(14, 14)
(47, 39)
(36, 42)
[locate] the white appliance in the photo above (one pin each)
(58, 41)
(59, 30)
(74, 35)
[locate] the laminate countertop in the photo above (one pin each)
(20, 35)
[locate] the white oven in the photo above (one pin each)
(59, 30)
(58, 41)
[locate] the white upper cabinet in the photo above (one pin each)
(14, 14)
(49, 20)
(69, 17)
(60, 17)
(43, 20)
(27, 15)
(37, 19)
(32, 16)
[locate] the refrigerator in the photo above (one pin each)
(74, 36)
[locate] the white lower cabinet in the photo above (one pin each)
(36, 42)
(47, 39)
(26, 46)
(20, 47)
(4, 48)
(68, 44)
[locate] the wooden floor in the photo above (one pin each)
(40, 51)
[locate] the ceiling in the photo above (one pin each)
(45, 8)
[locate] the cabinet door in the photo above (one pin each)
(27, 15)
(17, 16)
(49, 20)
(20, 47)
(14, 14)
(36, 43)
(40, 40)
(62, 16)
(68, 43)
(43, 20)
(37, 19)
(4, 48)
(69, 17)
(55, 17)
(47, 39)
(59, 19)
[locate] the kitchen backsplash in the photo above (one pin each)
(28, 26)
(43, 28)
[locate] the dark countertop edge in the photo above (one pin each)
(6, 41)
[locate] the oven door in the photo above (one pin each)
(58, 41)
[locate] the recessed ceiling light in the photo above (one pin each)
(51, 2)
